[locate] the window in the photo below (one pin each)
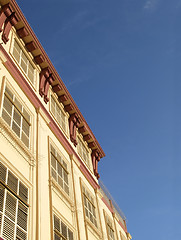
(16, 116)
(13, 206)
(83, 152)
(59, 169)
(23, 61)
(110, 230)
(90, 210)
(58, 114)
(61, 231)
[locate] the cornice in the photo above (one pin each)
(33, 45)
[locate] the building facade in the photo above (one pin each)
(49, 188)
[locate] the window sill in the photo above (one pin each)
(13, 139)
(61, 192)
(93, 228)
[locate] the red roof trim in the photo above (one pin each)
(53, 70)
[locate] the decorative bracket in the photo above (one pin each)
(46, 79)
(74, 121)
(95, 159)
(8, 19)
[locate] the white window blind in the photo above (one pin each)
(61, 231)
(23, 61)
(89, 206)
(16, 116)
(13, 206)
(59, 170)
(58, 114)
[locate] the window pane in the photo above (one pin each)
(56, 237)
(2, 192)
(6, 117)
(16, 51)
(16, 128)
(52, 149)
(8, 229)
(25, 139)
(56, 223)
(10, 207)
(64, 230)
(31, 72)
(12, 182)
(66, 188)
(0, 221)
(59, 169)
(70, 233)
(26, 115)
(54, 174)
(65, 176)
(8, 105)
(24, 62)
(58, 113)
(18, 105)
(3, 171)
(17, 117)
(9, 93)
(23, 192)
(53, 161)
(26, 127)
(20, 234)
(22, 216)
(60, 181)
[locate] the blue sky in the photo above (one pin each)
(121, 61)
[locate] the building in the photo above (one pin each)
(49, 187)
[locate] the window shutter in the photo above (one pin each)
(23, 192)
(8, 229)
(20, 235)
(64, 230)
(70, 233)
(0, 221)
(2, 191)
(56, 237)
(56, 223)
(13, 212)
(61, 231)
(22, 216)
(3, 171)
(12, 182)
(10, 206)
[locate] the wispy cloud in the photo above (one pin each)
(151, 4)
(78, 81)
(81, 20)
(74, 20)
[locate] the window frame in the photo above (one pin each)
(59, 105)
(109, 226)
(64, 170)
(29, 57)
(20, 112)
(59, 233)
(83, 147)
(92, 202)
(21, 206)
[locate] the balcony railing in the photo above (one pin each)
(110, 200)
